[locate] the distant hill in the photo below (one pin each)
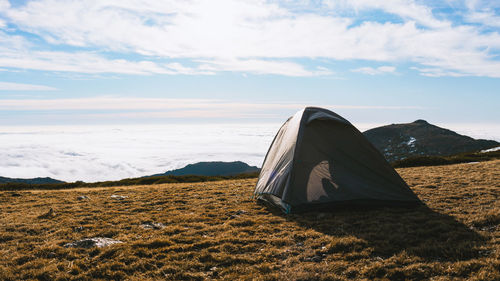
(213, 169)
(199, 172)
(29, 181)
(419, 138)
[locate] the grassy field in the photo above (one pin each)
(214, 230)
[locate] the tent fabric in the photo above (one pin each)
(319, 159)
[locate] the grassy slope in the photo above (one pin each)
(418, 161)
(215, 230)
(124, 182)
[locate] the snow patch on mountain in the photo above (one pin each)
(411, 142)
(491, 149)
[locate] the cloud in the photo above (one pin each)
(18, 55)
(375, 71)
(4, 5)
(406, 9)
(480, 12)
(487, 18)
(98, 153)
(437, 72)
(156, 104)
(257, 37)
(15, 52)
(8, 86)
(263, 67)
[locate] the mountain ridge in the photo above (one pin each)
(420, 138)
(212, 168)
(38, 180)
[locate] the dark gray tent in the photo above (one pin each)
(318, 159)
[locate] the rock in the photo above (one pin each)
(314, 258)
(237, 214)
(98, 242)
(51, 255)
(83, 197)
(78, 229)
(153, 225)
(213, 271)
(118, 197)
(241, 212)
(50, 214)
(485, 253)
(15, 194)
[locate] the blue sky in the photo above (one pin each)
(130, 61)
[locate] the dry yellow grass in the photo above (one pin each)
(216, 231)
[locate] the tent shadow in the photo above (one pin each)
(418, 231)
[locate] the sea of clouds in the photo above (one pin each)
(99, 153)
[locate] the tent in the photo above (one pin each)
(318, 159)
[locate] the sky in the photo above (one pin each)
(107, 89)
(217, 61)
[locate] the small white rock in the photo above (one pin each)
(153, 225)
(98, 242)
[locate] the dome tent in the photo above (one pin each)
(318, 159)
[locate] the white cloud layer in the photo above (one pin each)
(244, 36)
(8, 86)
(98, 153)
(375, 71)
